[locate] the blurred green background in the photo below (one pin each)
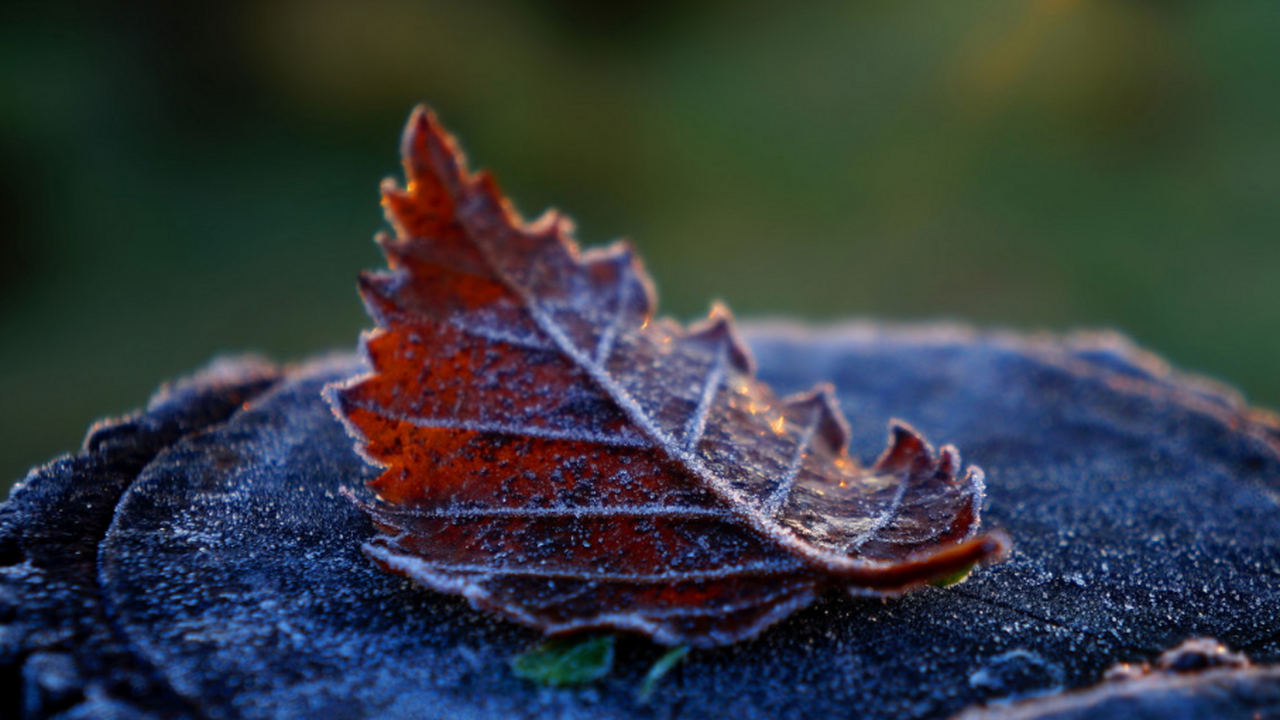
(179, 180)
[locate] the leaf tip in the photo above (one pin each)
(719, 330)
(620, 265)
(908, 451)
(830, 424)
(430, 155)
(418, 131)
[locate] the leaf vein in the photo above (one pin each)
(604, 346)
(649, 510)
(773, 505)
(881, 520)
(508, 429)
(697, 424)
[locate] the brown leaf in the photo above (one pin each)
(556, 454)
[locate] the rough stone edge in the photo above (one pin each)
(1198, 679)
(58, 652)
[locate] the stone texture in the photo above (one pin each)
(207, 566)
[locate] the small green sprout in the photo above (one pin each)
(660, 669)
(564, 662)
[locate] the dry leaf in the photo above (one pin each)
(556, 454)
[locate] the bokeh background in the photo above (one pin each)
(182, 179)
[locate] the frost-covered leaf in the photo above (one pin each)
(554, 452)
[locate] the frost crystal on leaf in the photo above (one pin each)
(556, 454)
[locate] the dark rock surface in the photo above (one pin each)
(58, 649)
(197, 559)
(1198, 679)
